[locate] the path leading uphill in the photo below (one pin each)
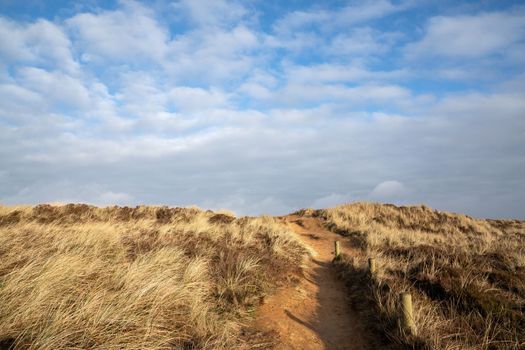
(315, 314)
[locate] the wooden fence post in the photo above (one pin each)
(337, 250)
(372, 266)
(407, 314)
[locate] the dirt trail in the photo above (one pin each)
(315, 314)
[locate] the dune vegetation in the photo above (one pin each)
(466, 276)
(78, 276)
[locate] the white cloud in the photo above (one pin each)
(42, 43)
(57, 87)
(360, 42)
(213, 55)
(127, 34)
(367, 10)
(242, 205)
(113, 198)
(356, 96)
(388, 190)
(470, 36)
(267, 161)
(348, 15)
(4, 178)
(187, 99)
(225, 113)
(256, 91)
(303, 30)
(18, 101)
(337, 73)
(66, 191)
(141, 94)
(498, 105)
(331, 200)
(211, 12)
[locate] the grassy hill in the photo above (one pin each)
(78, 276)
(466, 276)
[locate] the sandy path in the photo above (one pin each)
(315, 314)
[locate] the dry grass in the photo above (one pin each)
(77, 276)
(466, 276)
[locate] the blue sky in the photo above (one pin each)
(264, 106)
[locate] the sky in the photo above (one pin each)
(264, 107)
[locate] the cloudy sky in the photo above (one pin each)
(264, 106)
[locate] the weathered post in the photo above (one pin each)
(407, 314)
(337, 250)
(372, 266)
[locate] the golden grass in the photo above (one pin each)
(466, 276)
(77, 276)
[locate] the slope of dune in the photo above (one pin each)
(78, 276)
(466, 275)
